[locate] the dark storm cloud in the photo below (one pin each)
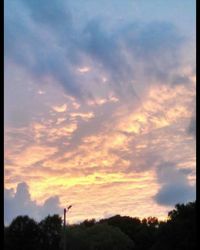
(48, 43)
(20, 203)
(175, 187)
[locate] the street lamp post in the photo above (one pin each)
(64, 244)
(65, 210)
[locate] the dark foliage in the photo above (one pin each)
(97, 237)
(115, 233)
(179, 232)
(22, 234)
(50, 228)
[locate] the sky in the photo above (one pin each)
(99, 107)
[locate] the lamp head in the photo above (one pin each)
(69, 207)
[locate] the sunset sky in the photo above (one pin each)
(99, 107)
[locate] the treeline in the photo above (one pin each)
(115, 233)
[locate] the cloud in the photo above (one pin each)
(53, 15)
(125, 53)
(191, 130)
(181, 79)
(192, 126)
(60, 74)
(36, 48)
(20, 203)
(61, 108)
(48, 44)
(175, 187)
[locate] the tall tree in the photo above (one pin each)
(22, 234)
(51, 228)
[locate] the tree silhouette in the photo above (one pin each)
(97, 237)
(179, 232)
(51, 228)
(22, 234)
(115, 233)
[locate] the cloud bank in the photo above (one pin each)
(95, 103)
(175, 187)
(50, 46)
(20, 203)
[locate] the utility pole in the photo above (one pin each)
(65, 211)
(64, 245)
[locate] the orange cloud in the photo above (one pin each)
(60, 109)
(112, 167)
